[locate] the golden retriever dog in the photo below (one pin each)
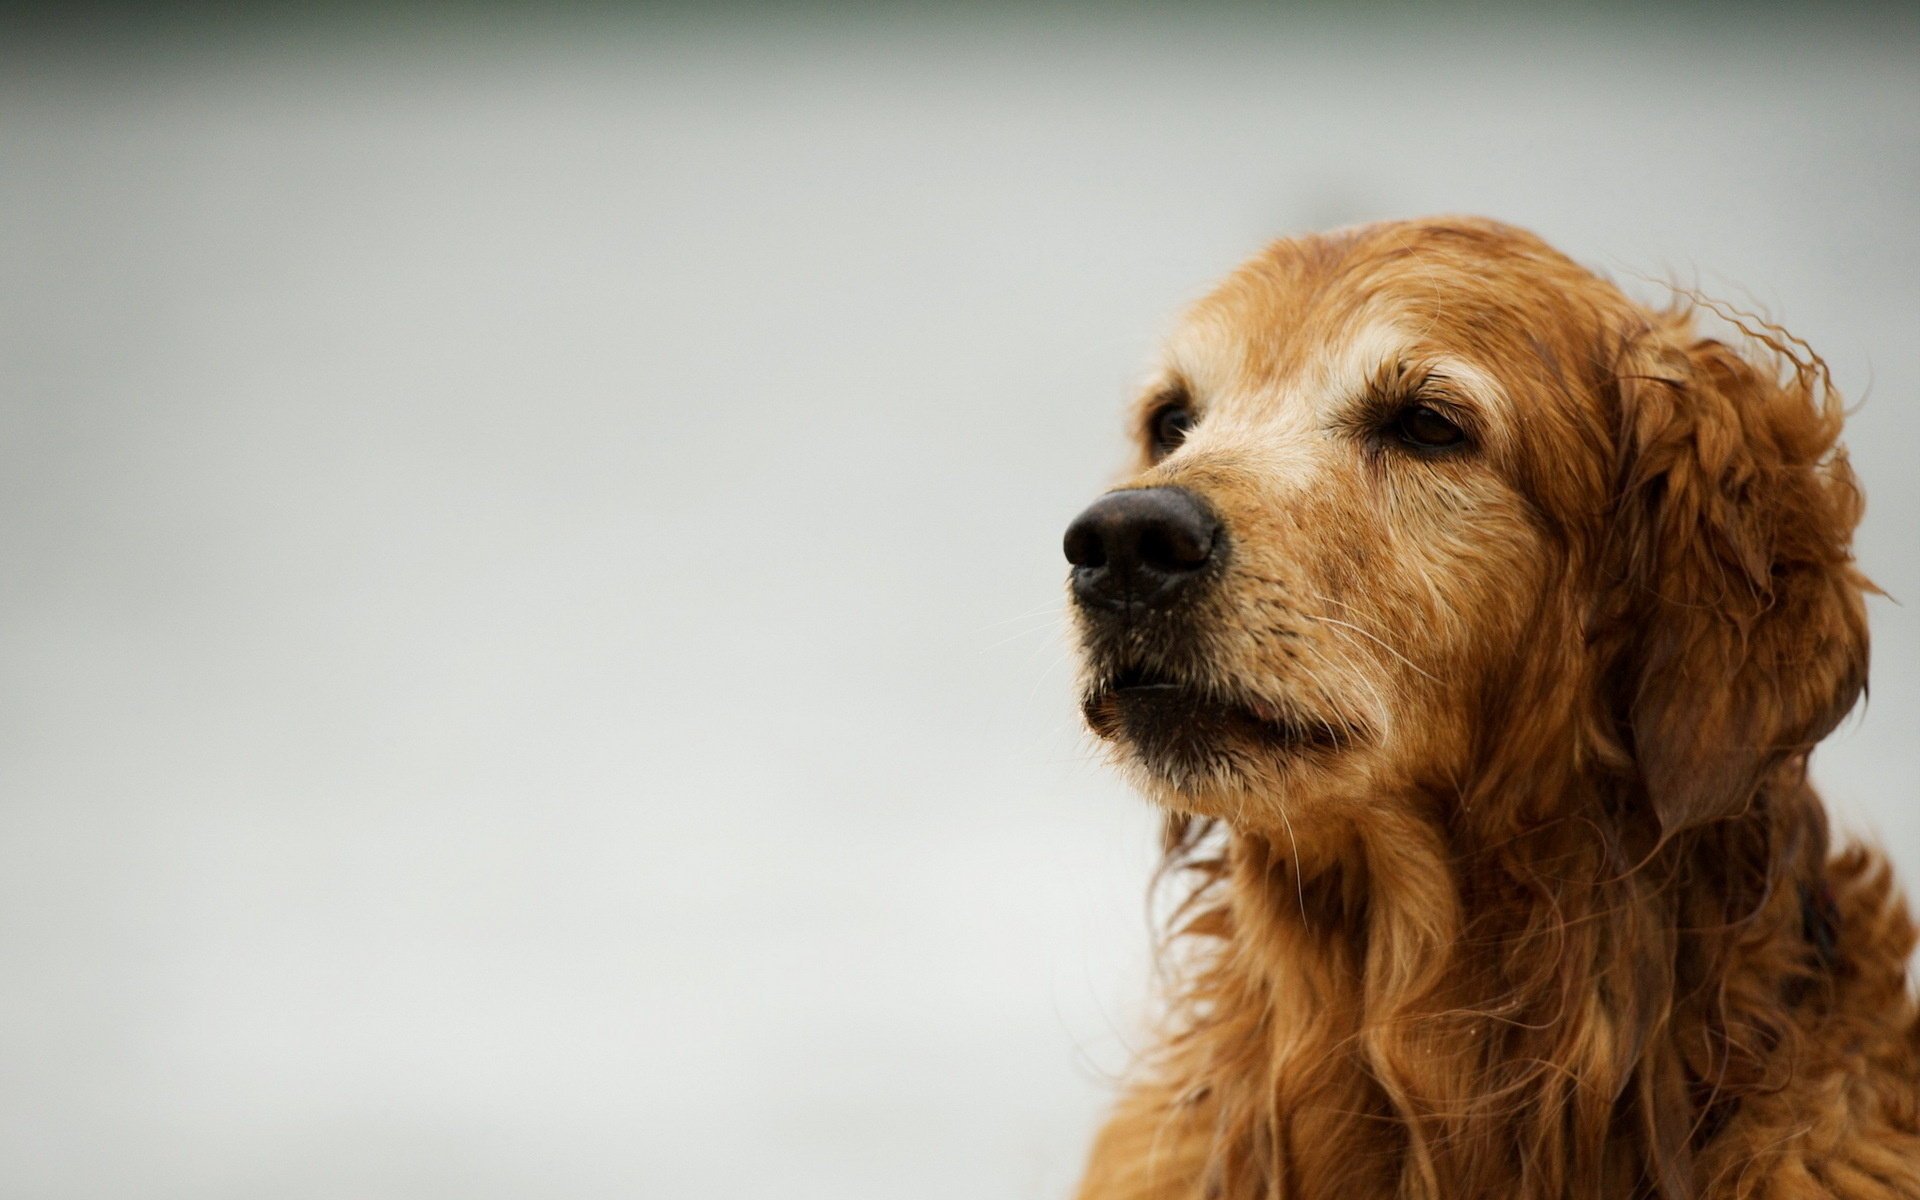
(1472, 624)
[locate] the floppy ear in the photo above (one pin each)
(1748, 638)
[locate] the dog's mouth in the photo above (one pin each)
(1185, 724)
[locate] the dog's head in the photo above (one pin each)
(1425, 502)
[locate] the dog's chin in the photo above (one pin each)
(1194, 740)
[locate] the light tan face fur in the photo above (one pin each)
(1370, 589)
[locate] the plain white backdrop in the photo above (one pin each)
(530, 641)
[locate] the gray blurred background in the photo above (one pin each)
(530, 651)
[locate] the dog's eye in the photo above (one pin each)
(1169, 428)
(1424, 429)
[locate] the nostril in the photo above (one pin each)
(1176, 545)
(1084, 545)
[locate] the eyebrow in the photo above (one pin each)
(1397, 378)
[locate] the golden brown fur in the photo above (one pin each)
(1552, 912)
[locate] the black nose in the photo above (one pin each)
(1141, 547)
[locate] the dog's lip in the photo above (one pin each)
(1266, 720)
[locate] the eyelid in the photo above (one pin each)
(1401, 388)
(1446, 406)
(1439, 393)
(1174, 395)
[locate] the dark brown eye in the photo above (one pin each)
(1422, 428)
(1169, 427)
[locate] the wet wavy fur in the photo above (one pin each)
(1621, 961)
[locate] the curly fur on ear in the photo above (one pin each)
(1736, 518)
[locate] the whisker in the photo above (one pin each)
(1339, 624)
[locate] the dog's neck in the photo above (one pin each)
(1531, 1018)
